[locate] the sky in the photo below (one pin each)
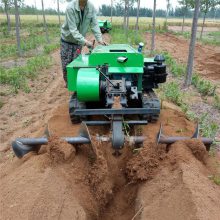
(161, 4)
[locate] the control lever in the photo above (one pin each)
(91, 47)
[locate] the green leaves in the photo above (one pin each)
(206, 5)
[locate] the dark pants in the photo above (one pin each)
(68, 53)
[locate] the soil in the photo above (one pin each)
(181, 189)
(88, 181)
(65, 182)
(207, 58)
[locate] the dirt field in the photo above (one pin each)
(207, 58)
(63, 182)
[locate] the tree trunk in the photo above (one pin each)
(125, 14)
(188, 78)
(215, 14)
(203, 23)
(127, 25)
(111, 9)
(19, 19)
(183, 22)
(168, 5)
(138, 9)
(45, 24)
(8, 17)
(17, 29)
(36, 11)
(58, 10)
(153, 28)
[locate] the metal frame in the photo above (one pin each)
(125, 111)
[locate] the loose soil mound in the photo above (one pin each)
(146, 163)
(181, 189)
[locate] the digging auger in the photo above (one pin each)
(23, 146)
(162, 139)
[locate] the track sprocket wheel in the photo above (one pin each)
(73, 105)
(150, 100)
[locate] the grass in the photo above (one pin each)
(215, 179)
(208, 128)
(133, 37)
(176, 69)
(51, 47)
(32, 36)
(120, 37)
(34, 39)
(204, 87)
(217, 102)
(185, 34)
(212, 38)
(171, 91)
(8, 50)
(17, 77)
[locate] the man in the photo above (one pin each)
(80, 15)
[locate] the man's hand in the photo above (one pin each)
(103, 43)
(89, 44)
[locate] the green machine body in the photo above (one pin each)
(121, 59)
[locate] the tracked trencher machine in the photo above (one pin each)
(115, 84)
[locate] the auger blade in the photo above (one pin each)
(162, 139)
(22, 146)
(21, 149)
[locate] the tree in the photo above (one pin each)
(127, 5)
(58, 11)
(168, 8)
(185, 4)
(125, 12)
(45, 23)
(111, 9)
(17, 28)
(153, 28)
(138, 10)
(205, 7)
(36, 10)
(7, 4)
(130, 4)
(188, 78)
(128, 10)
(20, 4)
